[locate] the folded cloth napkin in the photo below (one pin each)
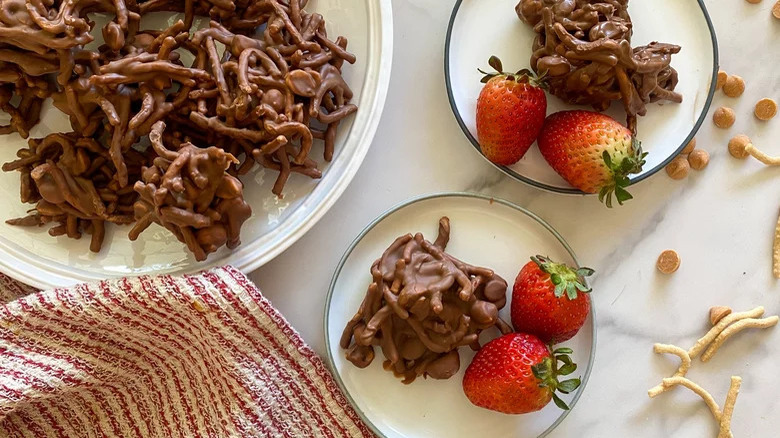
(193, 356)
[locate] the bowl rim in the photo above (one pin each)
(570, 190)
(426, 197)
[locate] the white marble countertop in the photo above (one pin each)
(721, 221)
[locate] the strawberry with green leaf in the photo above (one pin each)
(593, 152)
(550, 300)
(510, 113)
(517, 374)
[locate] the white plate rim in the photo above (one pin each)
(328, 298)
(248, 257)
(565, 190)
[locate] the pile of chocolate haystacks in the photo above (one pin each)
(422, 305)
(263, 82)
(583, 47)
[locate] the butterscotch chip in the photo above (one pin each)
(734, 86)
(668, 262)
(678, 168)
(737, 146)
(197, 305)
(724, 117)
(754, 1)
(766, 109)
(722, 76)
(718, 312)
(776, 10)
(689, 147)
(699, 159)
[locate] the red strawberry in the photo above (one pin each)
(517, 374)
(592, 151)
(510, 112)
(550, 300)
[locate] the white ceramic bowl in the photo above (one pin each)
(32, 256)
(481, 28)
(485, 232)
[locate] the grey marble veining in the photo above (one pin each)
(720, 221)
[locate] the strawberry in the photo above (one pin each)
(517, 374)
(593, 152)
(510, 112)
(550, 300)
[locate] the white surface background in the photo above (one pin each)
(721, 221)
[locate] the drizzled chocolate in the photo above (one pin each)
(421, 306)
(264, 83)
(584, 49)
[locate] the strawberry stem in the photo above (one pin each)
(547, 372)
(523, 76)
(620, 170)
(565, 279)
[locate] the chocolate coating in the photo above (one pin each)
(584, 49)
(422, 305)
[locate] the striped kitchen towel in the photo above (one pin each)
(193, 356)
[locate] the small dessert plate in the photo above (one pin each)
(485, 232)
(481, 28)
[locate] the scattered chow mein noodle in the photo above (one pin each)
(725, 325)
(734, 329)
(728, 407)
(776, 251)
(707, 339)
(685, 365)
(671, 382)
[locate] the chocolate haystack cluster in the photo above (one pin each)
(70, 179)
(584, 49)
(258, 86)
(189, 192)
(421, 306)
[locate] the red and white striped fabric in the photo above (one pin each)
(194, 356)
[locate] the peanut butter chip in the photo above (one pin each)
(678, 168)
(668, 262)
(718, 312)
(699, 159)
(734, 86)
(766, 109)
(737, 146)
(776, 10)
(724, 117)
(754, 1)
(690, 147)
(722, 76)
